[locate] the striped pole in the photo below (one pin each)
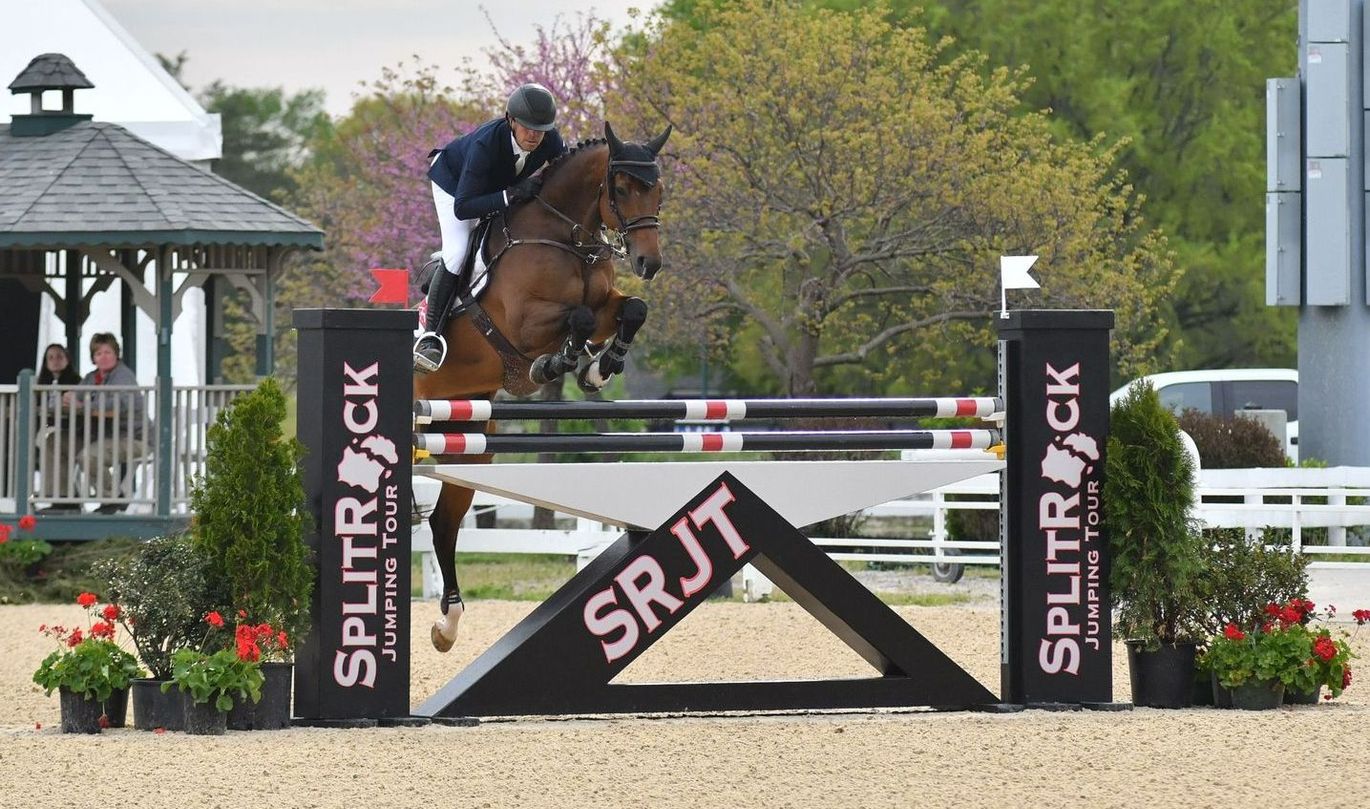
(426, 411)
(790, 441)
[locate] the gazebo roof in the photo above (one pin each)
(50, 71)
(96, 184)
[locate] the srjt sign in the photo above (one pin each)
(1056, 642)
(357, 481)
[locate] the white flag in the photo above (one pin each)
(1013, 272)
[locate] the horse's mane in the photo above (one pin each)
(549, 171)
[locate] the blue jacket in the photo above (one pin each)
(477, 167)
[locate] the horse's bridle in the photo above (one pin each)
(584, 245)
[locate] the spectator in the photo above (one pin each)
(115, 423)
(57, 367)
(60, 440)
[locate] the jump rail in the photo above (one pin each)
(427, 411)
(786, 441)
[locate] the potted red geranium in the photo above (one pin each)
(90, 670)
(213, 682)
(269, 646)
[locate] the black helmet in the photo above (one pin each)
(533, 106)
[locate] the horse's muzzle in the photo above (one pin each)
(646, 267)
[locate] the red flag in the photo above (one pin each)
(394, 286)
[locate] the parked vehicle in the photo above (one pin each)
(1223, 392)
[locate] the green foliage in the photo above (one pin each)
(1242, 574)
(1157, 555)
(18, 554)
(1278, 653)
(162, 588)
(92, 668)
(845, 186)
(1239, 442)
(265, 134)
(250, 513)
(1180, 86)
(219, 677)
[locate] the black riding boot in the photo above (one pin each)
(430, 349)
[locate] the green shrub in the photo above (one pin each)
(1242, 574)
(250, 514)
(1148, 494)
(162, 588)
(1232, 443)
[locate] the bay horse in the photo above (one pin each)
(551, 306)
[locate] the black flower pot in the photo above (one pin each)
(153, 709)
(272, 712)
(80, 715)
(1254, 695)
(1203, 689)
(1163, 678)
(1222, 695)
(1302, 697)
(204, 718)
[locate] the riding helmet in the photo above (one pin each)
(533, 106)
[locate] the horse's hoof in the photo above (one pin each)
(589, 380)
(444, 632)
(440, 641)
(542, 371)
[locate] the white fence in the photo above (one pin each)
(1334, 499)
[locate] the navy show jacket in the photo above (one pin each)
(477, 167)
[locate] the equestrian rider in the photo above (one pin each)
(479, 174)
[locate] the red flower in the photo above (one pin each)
(1325, 648)
(4, 533)
(1233, 633)
(102, 629)
(281, 641)
(75, 637)
(1361, 616)
(1272, 609)
(242, 614)
(264, 632)
(1266, 627)
(86, 599)
(104, 720)
(111, 612)
(1291, 615)
(214, 619)
(1346, 678)
(27, 522)
(249, 651)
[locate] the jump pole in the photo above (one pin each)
(356, 401)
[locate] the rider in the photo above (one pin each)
(484, 171)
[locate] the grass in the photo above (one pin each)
(511, 576)
(534, 577)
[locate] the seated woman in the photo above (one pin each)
(115, 425)
(59, 436)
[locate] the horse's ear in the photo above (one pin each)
(660, 140)
(615, 145)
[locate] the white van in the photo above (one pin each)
(1222, 392)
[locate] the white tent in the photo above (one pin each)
(133, 91)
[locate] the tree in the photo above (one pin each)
(1180, 85)
(265, 132)
(844, 187)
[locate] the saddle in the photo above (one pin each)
(474, 276)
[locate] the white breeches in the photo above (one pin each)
(456, 233)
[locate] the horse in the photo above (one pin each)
(551, 306)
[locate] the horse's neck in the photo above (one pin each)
(577, 189)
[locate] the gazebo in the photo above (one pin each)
(85, 203)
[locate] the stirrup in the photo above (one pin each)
(424, 365)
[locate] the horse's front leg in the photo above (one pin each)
(453, 503)
(622, 321)
(580, 325)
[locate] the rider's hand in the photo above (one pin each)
(524, 190)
